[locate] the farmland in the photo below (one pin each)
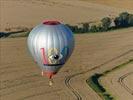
(21, 78)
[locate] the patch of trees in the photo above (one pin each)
(124, 19)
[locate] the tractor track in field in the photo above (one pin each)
(14, 71)
(67, 83)
(121, 81)
(68, 78)
(7, 69)
(17, 81)
(40, 83)
(38, 94)
(25, 80)
(8, 64)
(21, 81)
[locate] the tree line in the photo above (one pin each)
(124, 19)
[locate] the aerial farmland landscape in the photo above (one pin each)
(100, 67)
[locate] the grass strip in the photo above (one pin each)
(98, 88)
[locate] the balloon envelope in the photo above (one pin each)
(50, 44)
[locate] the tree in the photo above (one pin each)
(100, 28)
(117, 22)
(93, 28)
(130, 20)
(106, 22)
(85, 27)
(124, 19)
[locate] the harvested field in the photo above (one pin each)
(125, 4)
(21, 14)
(21, 78)
(119, 82)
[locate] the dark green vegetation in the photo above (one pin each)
(98, 88)
(105, 24)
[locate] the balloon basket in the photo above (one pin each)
(50, 82)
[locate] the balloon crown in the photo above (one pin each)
(51, 22)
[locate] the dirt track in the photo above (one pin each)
(21, 78)
(120, 83)
(78, 96)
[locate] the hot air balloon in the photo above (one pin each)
(50, 44)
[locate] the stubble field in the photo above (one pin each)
(21, 78)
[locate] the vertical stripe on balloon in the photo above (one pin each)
(44, 56)
(65, 52)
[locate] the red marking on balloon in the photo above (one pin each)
(51, 22)
(35, 61)
(44, 57)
